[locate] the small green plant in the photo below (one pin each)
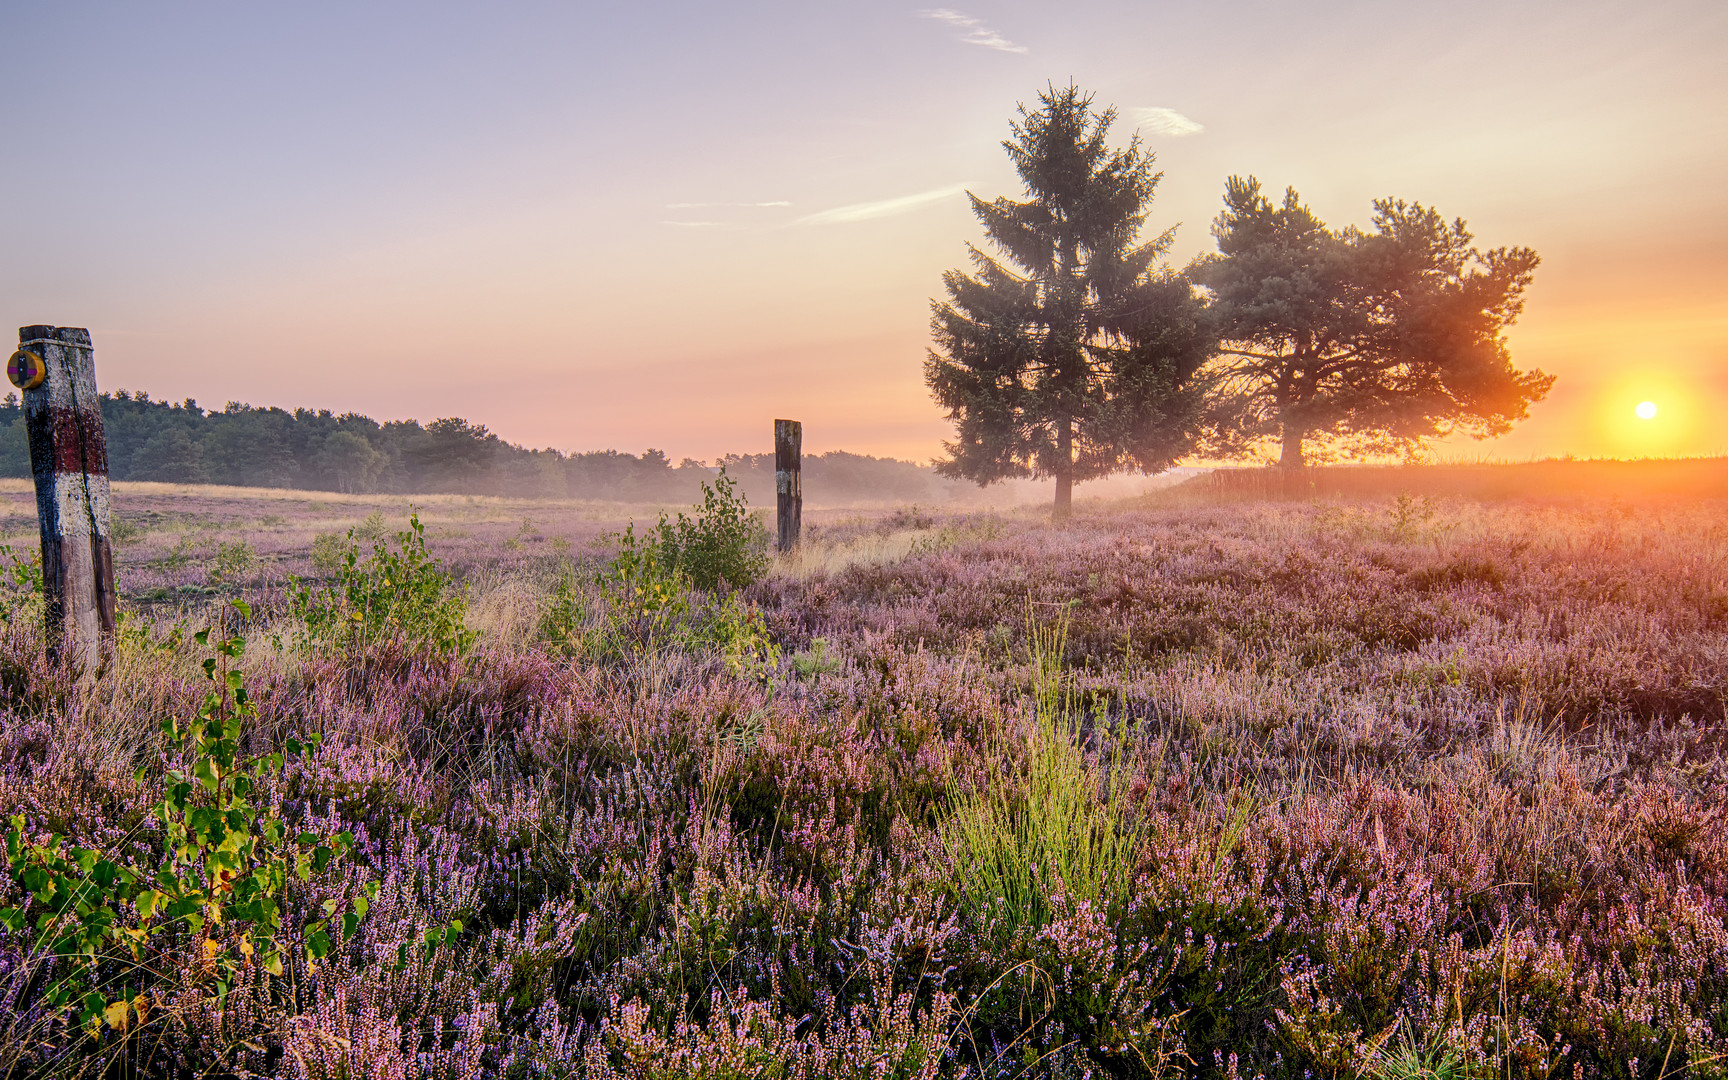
(181, 553)
(219, 885)
(562, 623)
(371, 527)
(137, 633)
(524, 534)
(403, 595)
(233, 561)
(20, 587)
(740, 633)
(1409, 516)
(1019, 839)
(1413, 1059)
(124, 530)
(648, 606)
(327, 551)
(646, 602)
(816, 660)
(723, 544)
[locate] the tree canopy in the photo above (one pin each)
(1371, 341)
(250, 446)
(1076, 354)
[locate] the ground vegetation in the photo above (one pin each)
(1375, 786)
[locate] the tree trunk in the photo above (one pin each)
(1064, 469)
(1291, 457)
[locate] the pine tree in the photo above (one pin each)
(1077, 355)
(1369, 341)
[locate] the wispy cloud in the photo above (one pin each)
(974, 31)
(1167, 122)
(885, 208)
(697, 205)
(703, 224)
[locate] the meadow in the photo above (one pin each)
(1383, 783)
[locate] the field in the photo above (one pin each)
(1373, 784)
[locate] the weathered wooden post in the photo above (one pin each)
(56, 370)
(788, 448)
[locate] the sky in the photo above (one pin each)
(595, 226)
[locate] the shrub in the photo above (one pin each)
(403, 595)
(723, 544)
(217, 890)
(646, 597)
(327, 551)
(649, 606)
(739, 632)
(659, 592)
(233, 561)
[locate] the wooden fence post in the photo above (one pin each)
(56, 370)
(788, 448)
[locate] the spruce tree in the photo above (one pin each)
(1076, 354)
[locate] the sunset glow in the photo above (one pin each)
(664, 225)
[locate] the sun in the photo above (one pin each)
(1646, 410)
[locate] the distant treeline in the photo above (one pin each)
(315, 449)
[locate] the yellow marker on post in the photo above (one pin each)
(26, 370)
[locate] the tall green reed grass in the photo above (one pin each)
(1045, 820)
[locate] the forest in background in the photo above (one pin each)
(254, 446)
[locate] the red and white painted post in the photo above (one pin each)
(55, 368)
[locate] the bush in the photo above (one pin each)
(217, 890)
(233, 562)
(723, 544)
(403, 595)
(327, 551)
(649, 606)
(662, 590)
(647, 597)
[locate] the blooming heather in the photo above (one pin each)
(1403, 788)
